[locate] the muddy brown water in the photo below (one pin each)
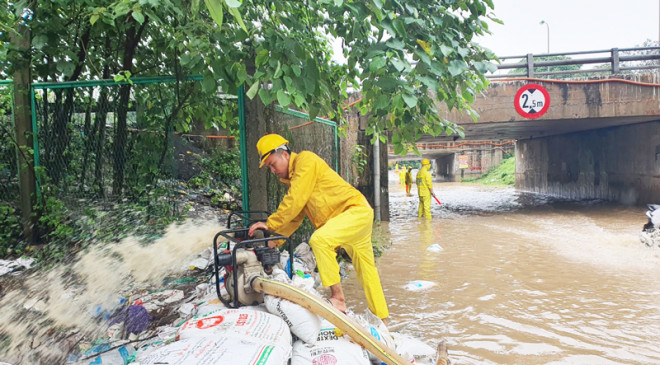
(521, 279)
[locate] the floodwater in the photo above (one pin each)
(520, 279)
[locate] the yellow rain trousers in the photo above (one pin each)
(424, 186)
(342, 218)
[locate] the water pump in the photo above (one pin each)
(249, 258)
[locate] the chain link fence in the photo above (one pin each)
(112, 142)
(8, 163)
(112, 159)
(318, 136)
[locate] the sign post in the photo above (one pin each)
(532, 101)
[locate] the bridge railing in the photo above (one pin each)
(613, 61)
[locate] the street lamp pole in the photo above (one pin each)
(548, 27)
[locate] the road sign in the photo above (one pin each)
(532, 101)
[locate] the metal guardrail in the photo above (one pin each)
(615, 58)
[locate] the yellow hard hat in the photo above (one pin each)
(269, 144)
(426, 162)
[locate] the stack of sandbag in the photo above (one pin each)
(227, 336)
(413, 349)
(302, 323)
(329, 348)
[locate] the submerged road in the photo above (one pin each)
(520, 279)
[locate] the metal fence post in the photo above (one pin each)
(615, 61)
(530, 65)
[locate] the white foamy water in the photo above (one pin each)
(47, 306)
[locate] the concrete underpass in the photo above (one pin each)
(597, 139)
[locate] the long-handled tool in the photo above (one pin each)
(436, 199)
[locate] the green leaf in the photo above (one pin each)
(410, 100)
(234, 12)
(262, 57)
(233, 3)
(400, 65)
(382, 101)
(138, 16)
(399, 149)
(266, 96)
(65, 68)
(396, 44)
(430, 82)
(209, 84)
(215, 10)
(387, 83)
(377, 63)
(446, 50)
(94, 18)
(39, 41)
(278, 70)
(253, 90)
(283, 98)
(299, 100)
(456, 67)
(185, 59)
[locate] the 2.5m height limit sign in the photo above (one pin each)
(532, 101)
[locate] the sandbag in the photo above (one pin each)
(302, 323)
(244, 323)
(329, 349)
(412, 346)
(217, 350)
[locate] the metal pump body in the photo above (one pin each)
(250, 258)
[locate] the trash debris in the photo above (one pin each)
(199, 263)
(418, 285)
(135, 319)
(13, 266)
(435, 248)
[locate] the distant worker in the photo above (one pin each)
(340, 214)
(409, 180)
(396, 168)
(424, 189)
(402, 177)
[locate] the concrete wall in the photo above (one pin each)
(620, 164)
(480, 160)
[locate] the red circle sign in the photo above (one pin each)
(532, 101)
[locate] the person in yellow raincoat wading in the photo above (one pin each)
(409, 180)
(424, 189)
(340, 214)
(402, 177)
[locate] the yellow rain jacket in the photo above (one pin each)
(342, 217)
(424, 186)
(424, 181)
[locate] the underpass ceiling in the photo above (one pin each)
(536, 128)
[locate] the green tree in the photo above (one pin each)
(403, 56)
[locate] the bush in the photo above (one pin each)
(10, 230)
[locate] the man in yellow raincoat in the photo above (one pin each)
(402, 177)
(424, 189)
(409, 180)
(340, 213)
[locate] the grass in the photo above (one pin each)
(502, 174)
